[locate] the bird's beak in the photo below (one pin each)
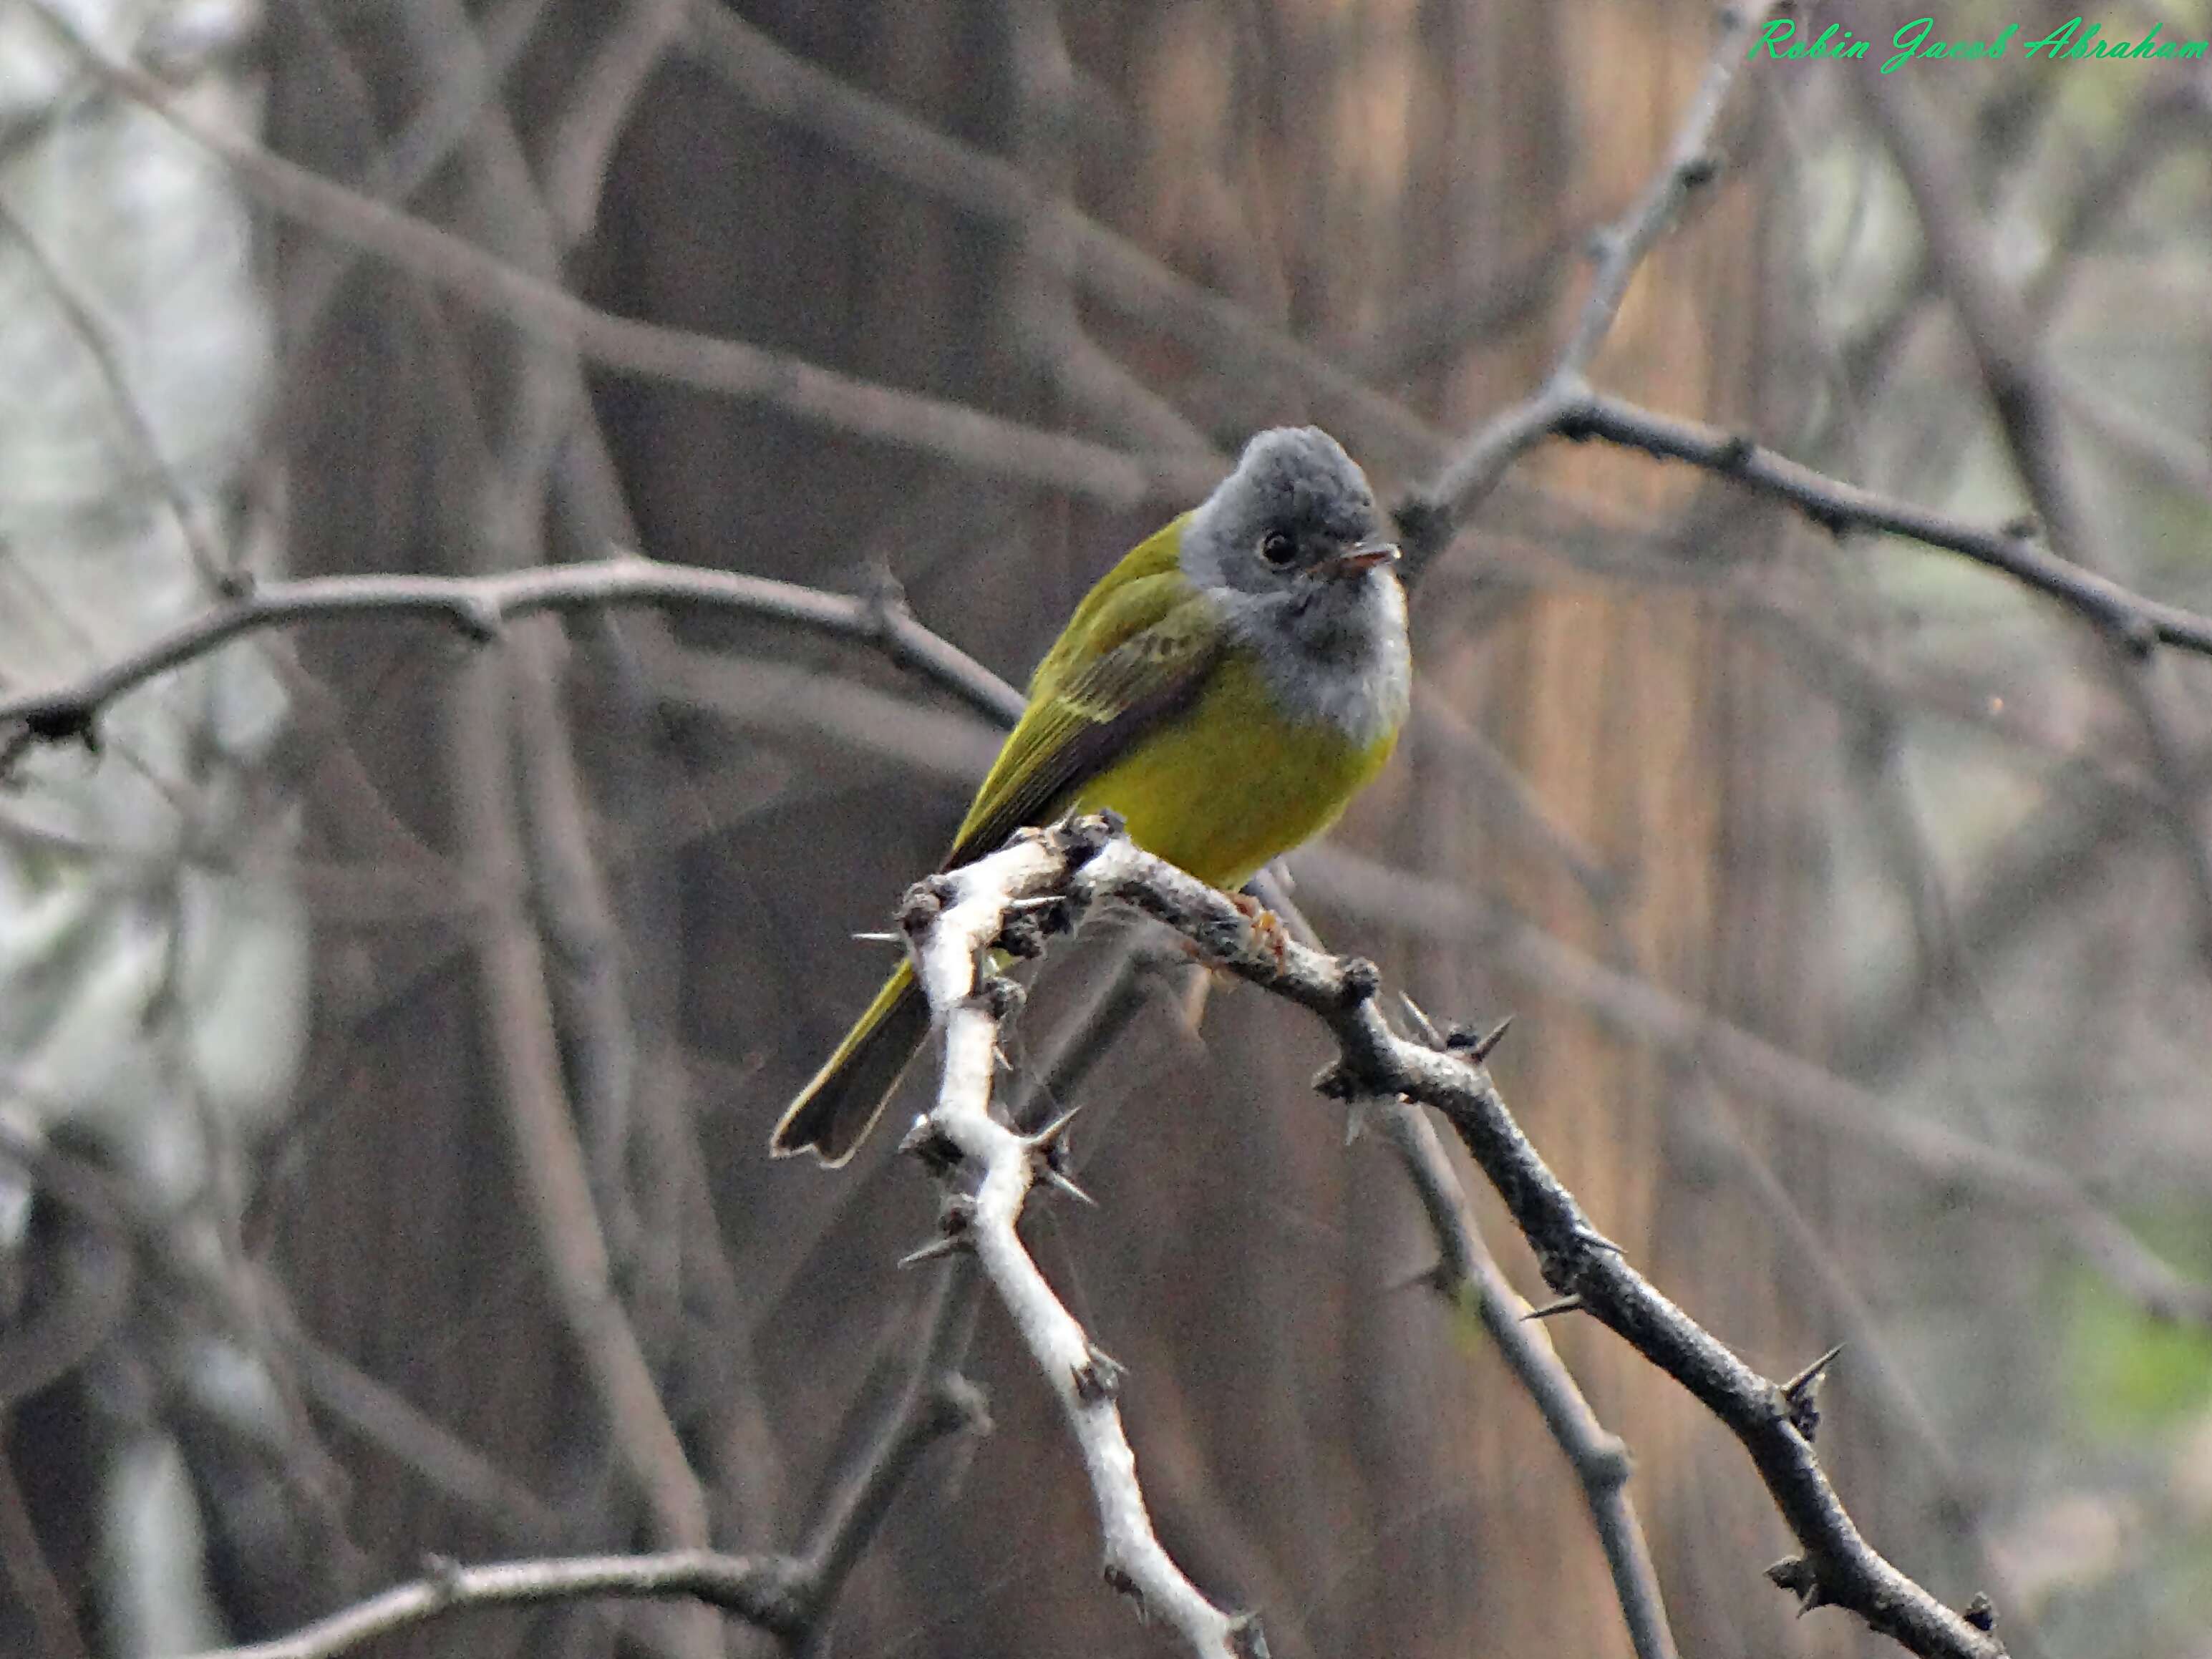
(1358, 560)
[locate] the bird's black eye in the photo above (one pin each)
(1276, 549)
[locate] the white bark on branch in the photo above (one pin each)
(953, 921)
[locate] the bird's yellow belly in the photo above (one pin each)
(1230, 784)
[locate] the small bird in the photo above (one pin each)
(1227, 688)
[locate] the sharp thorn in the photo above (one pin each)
(898, 940)
(1043, 1139)
(951, 1244)
(1053, 1178)
(1355, 1118)
(1566, 1305)
(1810, 1374)
(1424, 1028)
(1484, 1045)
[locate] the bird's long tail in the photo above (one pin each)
(835, 1111)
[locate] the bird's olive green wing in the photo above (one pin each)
(1136, 654)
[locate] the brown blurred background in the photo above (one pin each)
(1847, 795)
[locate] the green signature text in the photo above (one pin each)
(1781, 38)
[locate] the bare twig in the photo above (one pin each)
(988, 1170)
(754, 1588)
(2026, 405)
(2137, 623)
(529, 1085)
(1109, 267)
(804, 390)
(479, 604)
(955, 917)
(1788, 1083)
(605, 95)
(1467, 1277)
(1428, 515)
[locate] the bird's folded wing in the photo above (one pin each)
(1134, 657)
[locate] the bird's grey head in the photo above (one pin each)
(1295, 552)
(1296, 517)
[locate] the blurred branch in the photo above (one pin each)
(83, 320)
(804, 390)
(1248, 353)
(1566, 406)
(606, 96)
(449, 1465)
(2163, 117)
(1523, 814)
(951, 919)
(2025, 879)
(2174, 458)
(52, 1619)
(1956, 1498)
(788, 1596)
(478, 605)
(2138, 623)
(1109, 267)
(1042, 317)
(2025, 407)
(1428, 515)
(1433, 327)
(936, 1401)
(525, 1057)
(466, 91)
(1787, 1082)
(1468, 1278)
(89, 1279)
(988, 1170)
(756, 1588)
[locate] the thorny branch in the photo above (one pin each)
(1565, 407)
(1787, 1083)
(479, 606)
(988, 1170)
(1087, 862)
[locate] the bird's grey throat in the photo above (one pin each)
(1332, 646)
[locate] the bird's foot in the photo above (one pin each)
(1267, 929)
